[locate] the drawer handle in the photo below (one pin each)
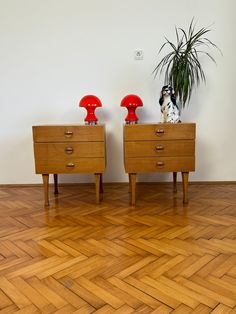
(69, 150)
(159, 147)
(70, 165)
(160, 164)
(68, 133)
(160, 132)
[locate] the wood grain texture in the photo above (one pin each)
(67, 133)
(80, 257)
(53, 151)
(69, 149)
(70, 164)
(160, 131)
(159, 164)
(176, 148)
(162, 147)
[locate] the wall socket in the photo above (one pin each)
(138, 54)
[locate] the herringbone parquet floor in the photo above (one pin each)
(79, 257)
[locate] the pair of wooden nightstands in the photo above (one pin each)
(71, 149)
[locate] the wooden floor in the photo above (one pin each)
(79, 257)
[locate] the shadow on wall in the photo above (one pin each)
(155, 177)
(115, 171)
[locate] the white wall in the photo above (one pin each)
(53, 52)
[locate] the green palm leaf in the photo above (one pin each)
(181, 66)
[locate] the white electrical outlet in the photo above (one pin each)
(138, 54)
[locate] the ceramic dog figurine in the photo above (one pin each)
(169, 109)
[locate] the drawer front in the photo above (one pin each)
(68, 133)
(159, 148)
(70, 165)
(56, 151)
(163, 131)
(159, 164)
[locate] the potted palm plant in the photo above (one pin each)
(181, 66)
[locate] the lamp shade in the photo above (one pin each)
(90, 103)
(131, 102)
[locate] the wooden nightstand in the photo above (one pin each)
(69, 149)
(163, 147)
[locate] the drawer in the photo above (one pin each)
(163, 131)
(70, 165)
(68, 133)
(159, 148)
(159, 164)
(54, 151)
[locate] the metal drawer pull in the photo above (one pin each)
(68, 133)
(70, 165)
(160, 131)
(69, 150)
(159, 147)
(160, 164)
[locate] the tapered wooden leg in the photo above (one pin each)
(55, 176)
(45, 186)
(132, 177)
(185, 186)
(101, 183)
(129, 183)
(175, 182)
(101, 187)
(97, 186)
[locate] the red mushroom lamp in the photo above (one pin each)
(131, 102)
(90, 103)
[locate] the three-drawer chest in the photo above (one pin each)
(69, 149)
(163, 147)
